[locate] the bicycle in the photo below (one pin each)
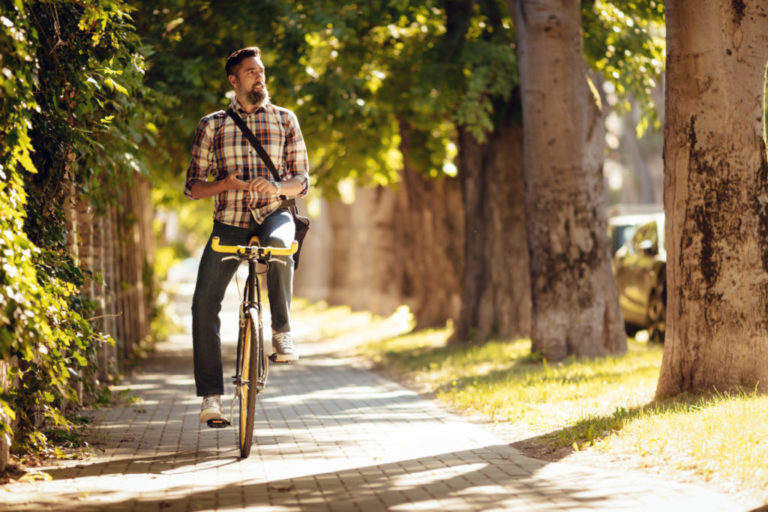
(252, 363)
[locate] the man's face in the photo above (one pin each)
(250, 82)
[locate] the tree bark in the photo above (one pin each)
(574, 300)
(716, 197)
(496, 293)
(341, 258)
(364, 272)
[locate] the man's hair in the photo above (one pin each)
(234, 60)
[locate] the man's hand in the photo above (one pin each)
(233, 182)
(262, 186)
(202, 189)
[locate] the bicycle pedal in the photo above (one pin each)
(218, 423)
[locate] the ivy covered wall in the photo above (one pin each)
(74, 208)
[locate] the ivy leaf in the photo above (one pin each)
(21, 153)
(115, 86)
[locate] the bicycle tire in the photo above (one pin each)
(251, 345)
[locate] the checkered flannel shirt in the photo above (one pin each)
(220, 148)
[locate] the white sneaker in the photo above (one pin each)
(211, 410)
(284, 349)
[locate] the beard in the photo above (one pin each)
(257, 98)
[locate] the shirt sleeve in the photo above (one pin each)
(296, 159)
(201, 163)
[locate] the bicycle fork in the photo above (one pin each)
(252, 287)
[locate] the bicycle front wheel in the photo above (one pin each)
(251, 358)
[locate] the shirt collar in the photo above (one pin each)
(239, 109)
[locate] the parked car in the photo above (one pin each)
(624, 218)
(641, 279)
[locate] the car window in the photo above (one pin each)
(646, 238)
(621, 235)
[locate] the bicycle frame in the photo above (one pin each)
(250, 328)
(254, 254)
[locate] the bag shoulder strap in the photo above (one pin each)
(254, 142)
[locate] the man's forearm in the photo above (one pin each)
(203, 189)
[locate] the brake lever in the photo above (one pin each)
(227, 258)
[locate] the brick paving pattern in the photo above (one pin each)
(329, 436)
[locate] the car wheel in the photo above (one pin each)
(631, 329)
(657, 313)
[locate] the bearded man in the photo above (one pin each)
(247, 202)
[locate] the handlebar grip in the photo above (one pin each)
(283, 251)
(217, 247)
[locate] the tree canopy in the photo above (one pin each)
(358, 67)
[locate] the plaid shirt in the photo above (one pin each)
(220, 148)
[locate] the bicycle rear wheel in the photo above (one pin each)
(252, 354)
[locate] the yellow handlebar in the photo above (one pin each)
(252, 249)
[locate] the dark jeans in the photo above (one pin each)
(214, 275)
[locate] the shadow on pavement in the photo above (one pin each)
(476, 478)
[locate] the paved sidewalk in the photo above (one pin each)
(329, 436)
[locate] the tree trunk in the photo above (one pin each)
(574, 298)
(341, 258)
(362, 276)
(312, 278)
(429, 229)
(716, 197)
(496, 292)
(394, 247)
(359, 270)
(384, 273)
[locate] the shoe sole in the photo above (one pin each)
(284, 358)
(218, 423)
(207, 417)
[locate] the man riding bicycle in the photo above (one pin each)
(247, 202)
